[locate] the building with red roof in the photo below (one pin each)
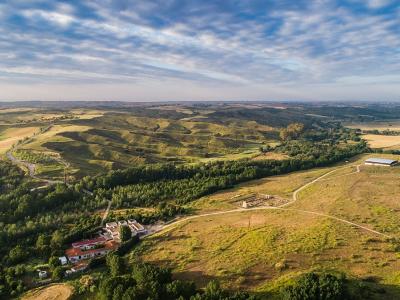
(89, 244)
(76, 254)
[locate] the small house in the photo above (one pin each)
(42, 274)
(63, 260)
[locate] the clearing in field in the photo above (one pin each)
(382, 141)
(258, 249)
(272, 155)
(52, 292)
(10, 136)
(378, 125)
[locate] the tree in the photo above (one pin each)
(57, 273)
(42, 244)
(17, 254)
(115, 264)
(56, 240)
(313, 286)
(292, 131)
(54, 262)
(124, 233)
(213, 290)
(179, 288)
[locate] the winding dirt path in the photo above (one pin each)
(296, 192)
(32, 166)
(295, 198)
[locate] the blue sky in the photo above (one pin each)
(200, 50)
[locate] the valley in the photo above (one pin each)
(252, 197)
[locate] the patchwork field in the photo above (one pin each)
(262, 249)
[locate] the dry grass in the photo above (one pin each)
(52, 292)
(243, 249)
(84, 114)
(12, 135)
(382, 141)
(272, 155)
(13, 110)
(282, 186)
(51, 136)
(383, 125)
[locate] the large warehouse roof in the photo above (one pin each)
(382, 161)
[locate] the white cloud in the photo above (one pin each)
(375, 4)
(322, 45)
(50, 16)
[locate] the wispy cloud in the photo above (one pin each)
(251, 46)
(374, 4)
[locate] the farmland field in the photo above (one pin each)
(382, 141)
(378, 125)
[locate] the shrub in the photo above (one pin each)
(313, 286)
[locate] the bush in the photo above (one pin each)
(124, 248)
(315, 286)
(58, 273)
(125, 233)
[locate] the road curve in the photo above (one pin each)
(295, 193)
(173, 223)
(30, 166)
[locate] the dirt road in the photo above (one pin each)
(174, 223)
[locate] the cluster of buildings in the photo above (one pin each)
(107, 241)
(112, 229)
(89, 249)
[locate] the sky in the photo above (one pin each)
(163, 50)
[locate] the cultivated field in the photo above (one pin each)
(52, 292)
(382, 141)
(262, 249)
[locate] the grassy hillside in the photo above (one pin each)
(119, 135)
(95, 141)
(262, 250)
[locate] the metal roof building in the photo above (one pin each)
(381, 162)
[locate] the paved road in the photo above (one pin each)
(175, 222)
